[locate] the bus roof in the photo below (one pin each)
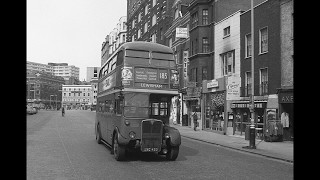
(143, 45)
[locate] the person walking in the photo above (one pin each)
(195, 120)
(63, 111)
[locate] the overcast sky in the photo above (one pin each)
(70, 31)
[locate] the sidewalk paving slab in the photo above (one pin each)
(276, 150)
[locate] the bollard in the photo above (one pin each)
(252, 139)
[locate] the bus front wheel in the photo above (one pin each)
(118, 150)
(172, 153)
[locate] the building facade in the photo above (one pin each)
(44, 89)
(267, 66)
(105, 50)
(285, 93)
(180, 45)
(148, 20)
(92, 73)
(77, 96)
(66, 71)
(33, 66)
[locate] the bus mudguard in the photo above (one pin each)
(121, 139)
(175, 138)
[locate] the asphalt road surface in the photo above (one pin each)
(65, 148)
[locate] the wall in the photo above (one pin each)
(223, 45)
(286, 34)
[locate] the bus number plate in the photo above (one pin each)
(150, 150)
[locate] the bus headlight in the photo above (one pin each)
(126, 122)
(132, 135)
(166, 135)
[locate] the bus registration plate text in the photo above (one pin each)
(150, 149)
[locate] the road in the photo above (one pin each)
(65, 148)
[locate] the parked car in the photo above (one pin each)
(31, 110)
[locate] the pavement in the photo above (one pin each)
(276, 150)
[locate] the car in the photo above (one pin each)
(30, 110)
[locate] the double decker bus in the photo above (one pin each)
(135, 88)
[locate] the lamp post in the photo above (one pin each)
(252, 138)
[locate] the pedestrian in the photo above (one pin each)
(63, 111)
(195, 120)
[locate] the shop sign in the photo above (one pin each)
(181, 32)
(233, 88)
(285, 98)
(185, 66)
(212, 83)
(247, 105)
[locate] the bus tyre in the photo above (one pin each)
(172, 153)
(98, 135)
(118, 150)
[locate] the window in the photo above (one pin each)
(205, 16)
(194, 20)
(248, 50)
(204, 73)
(133, 23)
(145, 27)
(154, 2)
(263, 81)
(154, 19)
(170, 42)
(146, 10)
(176, 13)
(226, 31)
(118, 106)
(132, 38)
(193, 77)
(154, 37)
(161, 34)
(84, 94)
(248, 84)
(124, 38)
(159, 109)
(139, 33)
(228, 63)
(205, 45)
(139, 17)
(263, 40)
(88, 94)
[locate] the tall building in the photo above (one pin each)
(33, 66)
(148, 20)
(66, 71)
(105, 50)
(114, 39)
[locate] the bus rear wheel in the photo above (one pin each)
(98, 135)
(118, 150)
(172, 153)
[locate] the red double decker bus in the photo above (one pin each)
(135, 88)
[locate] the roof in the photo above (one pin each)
(143, 45)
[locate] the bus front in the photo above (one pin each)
(149, 82)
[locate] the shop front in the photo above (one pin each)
(214, 104)
(193, 103)
(242, 117)
(286, 102)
